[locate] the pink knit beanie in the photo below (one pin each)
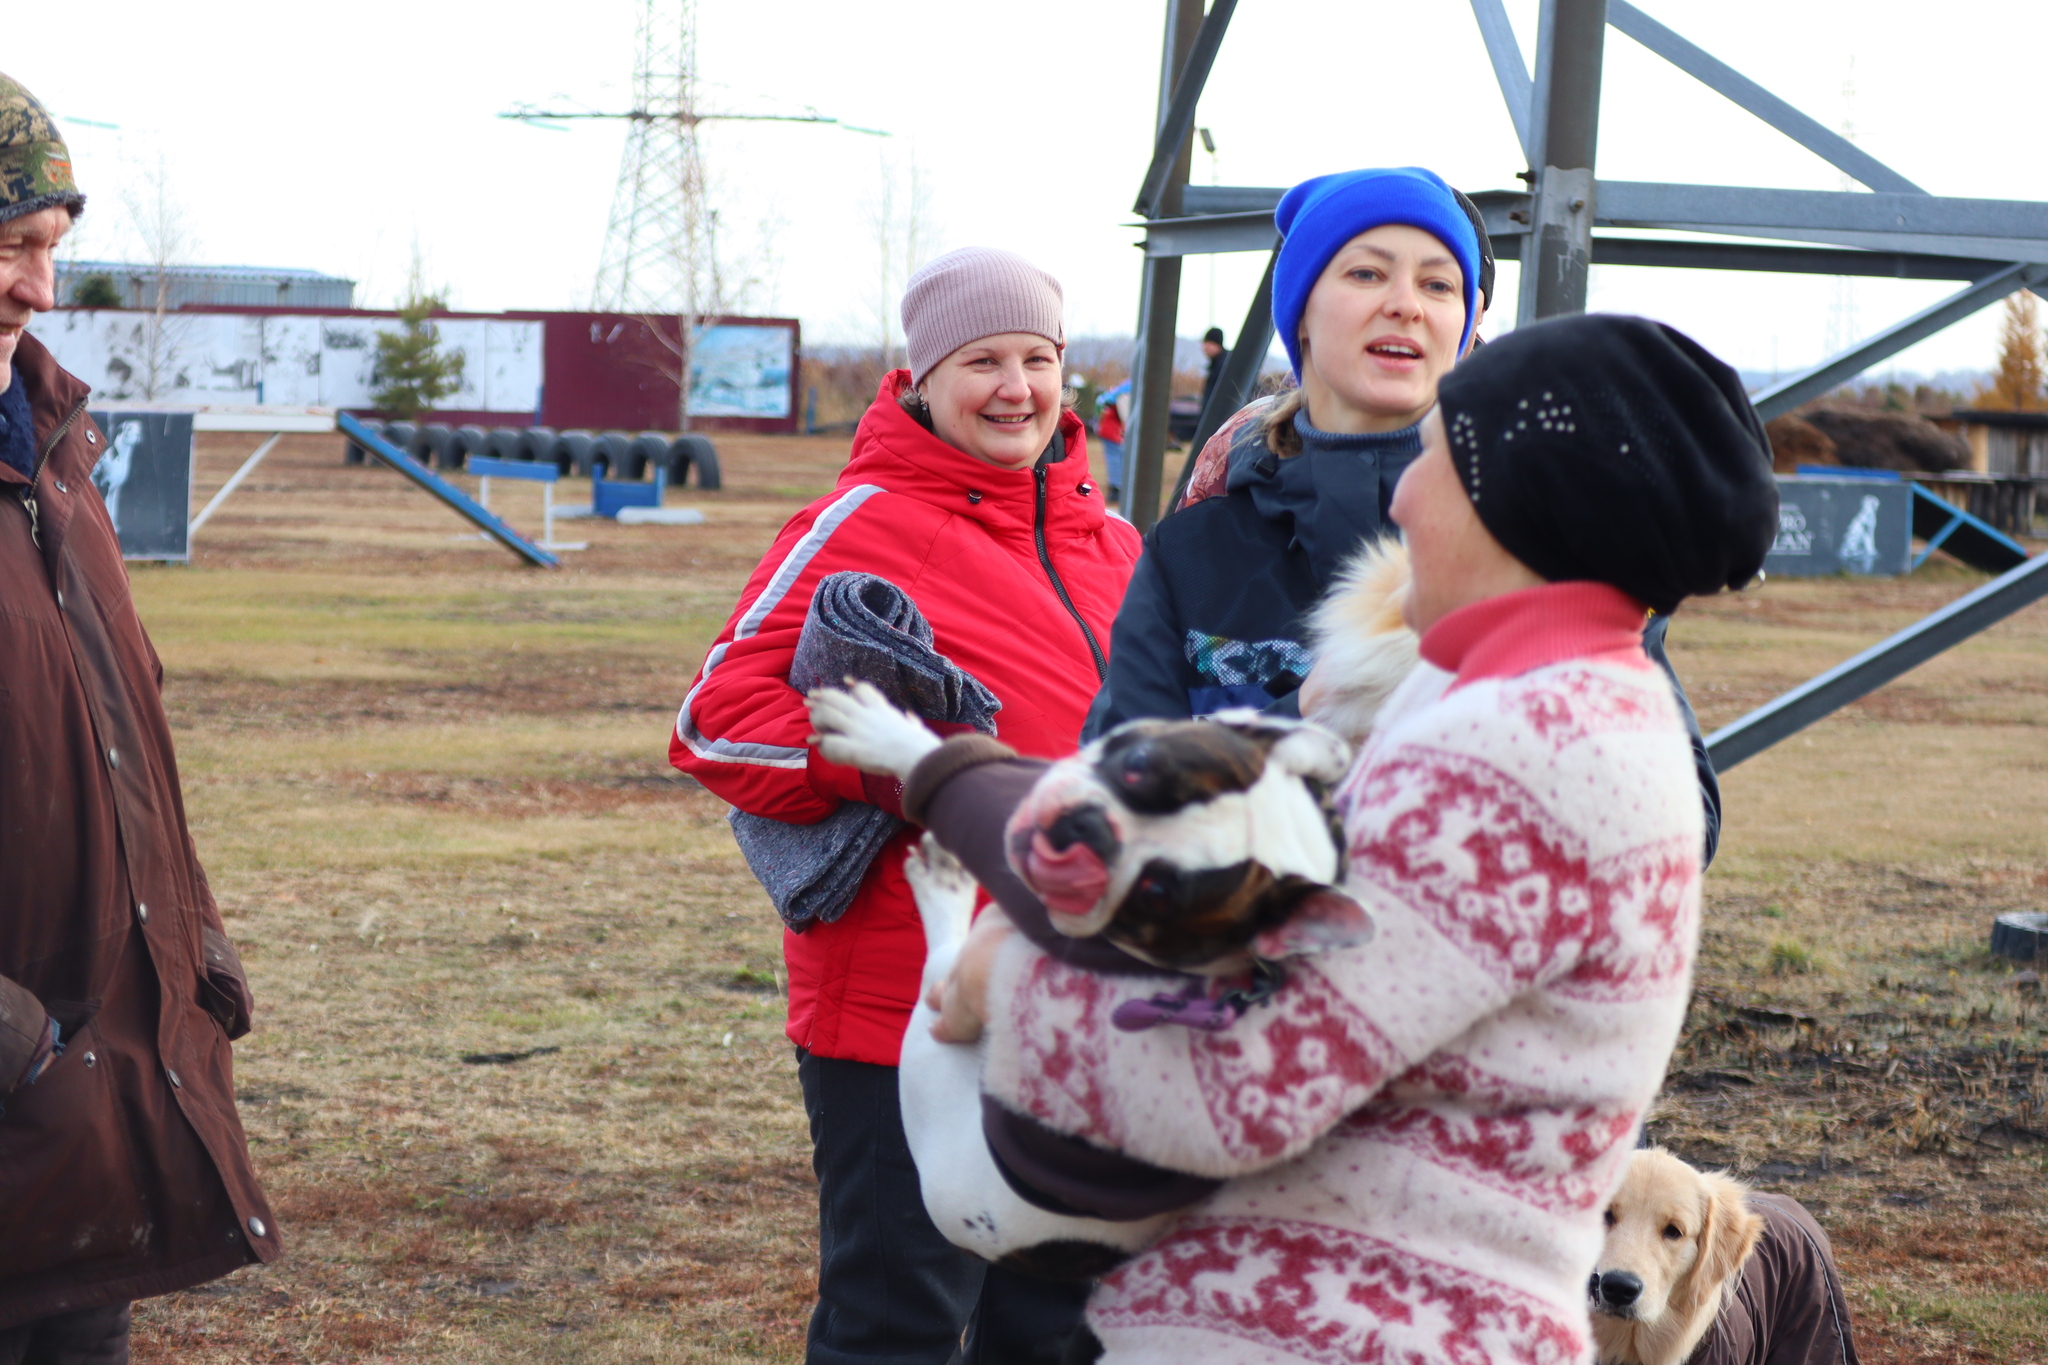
(973, 293)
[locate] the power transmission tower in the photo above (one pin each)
(656, 256)
(660, 249)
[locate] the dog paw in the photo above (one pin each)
(858, 727)
(936, 875)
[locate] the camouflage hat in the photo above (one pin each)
(35, 167)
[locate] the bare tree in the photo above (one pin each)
(160, 225)
(899, 217)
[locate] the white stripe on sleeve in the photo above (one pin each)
(779, 583)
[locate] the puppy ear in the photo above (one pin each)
(1727, 1237)
(1311, 751)
(1322, 921)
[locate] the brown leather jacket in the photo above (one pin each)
(123, 1168)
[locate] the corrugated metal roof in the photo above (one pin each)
(247, 285)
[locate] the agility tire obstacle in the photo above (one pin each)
(691, 449)
(2021, 934)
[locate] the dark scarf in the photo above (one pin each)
(1336, 492)
(17, 428)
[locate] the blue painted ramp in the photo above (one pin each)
(1945, 526)
(491, 524)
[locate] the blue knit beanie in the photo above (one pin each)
(1317, 217)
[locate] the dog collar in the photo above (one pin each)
(1196, 1008)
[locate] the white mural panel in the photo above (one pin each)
(513, 359)
(286, 360)
(291, 361)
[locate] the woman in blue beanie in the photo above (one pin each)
(1381, 284)
(1375, 295)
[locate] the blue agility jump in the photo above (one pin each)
(547, 475)
(608, 496)
(491, 524)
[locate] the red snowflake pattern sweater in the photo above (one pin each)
(1419, 1134)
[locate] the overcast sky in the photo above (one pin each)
(338, 139)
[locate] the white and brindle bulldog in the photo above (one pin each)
(1203, 847)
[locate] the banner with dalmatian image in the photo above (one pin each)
(145, 478)
(1846, 525)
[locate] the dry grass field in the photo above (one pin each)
(518, 1086)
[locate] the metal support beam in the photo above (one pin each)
(1995, 230)
(1726, 81)
(1569, 49)
(1782, 260)
(1762, 212)
(1180, 110)
(1253, 231)
(1878, 665)
(1210, 234)
(1240, 377)
(1510, 72)
(1783, 397)
(1159, 298)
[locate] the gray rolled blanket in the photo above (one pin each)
(864, 627)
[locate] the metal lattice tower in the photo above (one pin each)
(656, 252)
(660, 249)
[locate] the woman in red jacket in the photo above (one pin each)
(968, 489)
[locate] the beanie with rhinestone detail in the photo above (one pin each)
(1614, 450)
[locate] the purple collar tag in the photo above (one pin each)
(1194, 1008)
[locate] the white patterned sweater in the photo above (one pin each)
(1419, 1134)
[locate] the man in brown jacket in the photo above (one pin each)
(123, 1168)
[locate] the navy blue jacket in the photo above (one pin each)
(1217, 612)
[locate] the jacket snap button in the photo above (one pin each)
(256, 1226)
(92, 438)
(92, 1059)
(113, 758)
(142, 912)
(176, 1084)
(973, 496)
(60, 486)
(60, 599)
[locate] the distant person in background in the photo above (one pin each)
(1112, 418)
(123, 1168)
(1219, 355)
(969, 490)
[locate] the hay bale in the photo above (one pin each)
(1796, 441)
(1889, 440)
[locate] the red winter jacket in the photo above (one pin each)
(962, 538)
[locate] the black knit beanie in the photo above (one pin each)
(1617, 450)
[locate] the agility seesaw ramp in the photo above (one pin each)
(488, 521)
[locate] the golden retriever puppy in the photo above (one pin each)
(1700, 1269)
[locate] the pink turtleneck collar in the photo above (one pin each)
(1516, 632)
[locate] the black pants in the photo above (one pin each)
(891, 1290)
(91, 1336)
